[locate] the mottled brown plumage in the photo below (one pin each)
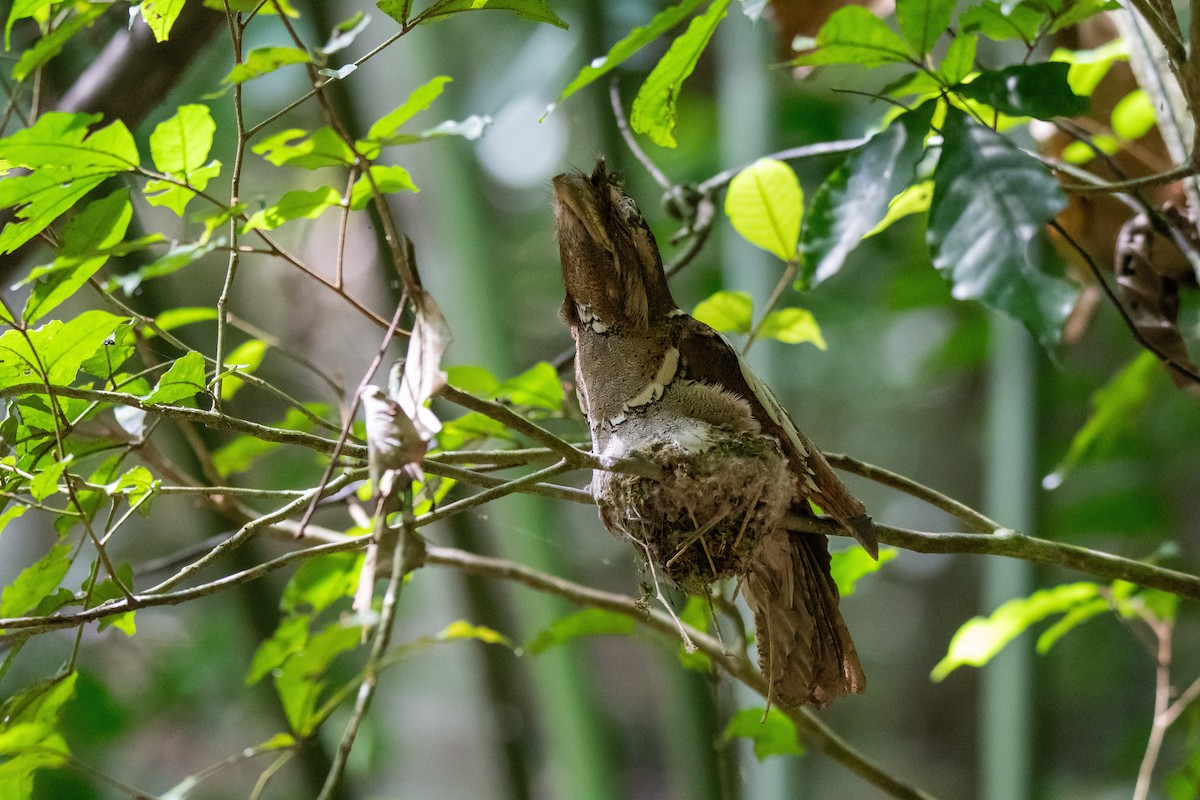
(656, 383)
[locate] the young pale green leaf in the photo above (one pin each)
(180, 384)
(1088, 67)
(263, 61)
(36, 581)
(245, 358)
(959, 61)
(634, 41)
(172, 195)
(855, 197)
(290, 636)
(66, 161)
(61, 346)
(913, 200)
(388, 178)
(589, 622)
(461, 629)
(29, 737)
(174, 318)
(300, 680)
(1133, 115)
(390, 123)
(87, 242)
(923, 22)
(50, 45)
(728, 312)
(172, 261)
(533, 10)
(653, 110)
(473, 379)
(45, 480)
(764, 204)
(991, 20)
(981, 638)
(848, 566)
(471, 429)
(1027, 90)
(136, 485)
(179, 146)
(793, 326)
(1070, 621)
(986, 229)
(853, 35)
(772, 732)
(1116, 409)
(299, 148)
(298, 204)
(160, 15)
(1079, 10)
(23, 9)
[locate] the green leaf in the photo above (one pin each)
(321, 582)
(853, 35)
(913, 200)
(300, 682)
(1027, 90)
(389, 124)
(856, 196)
(396, 9)
(86, 242)
(986, 229)
(471, 428)
(989, 19)
(653, 111)
(1071, 620)
(160, 15)
(66, 161)
(61, 348)
(289, 637)
(923, 22)
(29, 739)
(45, 480)
(388, 178)
(174, 318)
(180, 384)
(172, 261)
(533, 10)
(589, 622)
(473, 379)
(847, 566)
(263, 61)
(793, 326)
(772, 732)
(764, 204)
(179, 146)
(1088, 67)
(461, 629)
(959, 61)
(981, 638)
(536, 387)
(24, 9)
(728, 312)
(1133, 116)
(36, 581)
(243, 452)
(299, 148)
(1079, 10)
(108, 589)
(245, 358)
(634, 41)
(50, 45)
(1116, 410)
(296, 204)
(136, 484)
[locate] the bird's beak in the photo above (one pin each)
(575, 203)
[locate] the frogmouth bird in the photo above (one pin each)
(659, 385)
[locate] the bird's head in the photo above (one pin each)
(610, 262)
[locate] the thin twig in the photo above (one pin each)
(614, 99)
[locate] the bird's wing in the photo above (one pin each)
(707, 356)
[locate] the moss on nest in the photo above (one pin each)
(705, 519)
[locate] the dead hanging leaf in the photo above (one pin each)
(1149, 282)
(422, 375)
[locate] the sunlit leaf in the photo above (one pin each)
(61, 348)
(420, 99)
(300, 680)
(297, 204)
(772, 732)
(172, 261)
(296, 147)
(986, 229)
(243, 452)
(533, 10)
(473, 379)
(321, 582)
(245, 359)
(981, 638)
(536, 387)
(847, 566)
(265, 60)
(29, 736)
(728, 312)
(959, 61)
(653, 111)
(853, 35)
(461, 629)
(634, 41)
(45, 481)
(856, 196)
(589, 622)
(160, 15)
(923, 22)
(1133, 115)
(913, 200)
(396, 9)
(289, 637)
(764, 204)
(990, 20)
(388, 178)
(50, 45)
(1088, 67)
(101, 225)
(792, 325)
(180, 384)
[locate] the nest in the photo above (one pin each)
(703, 522)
